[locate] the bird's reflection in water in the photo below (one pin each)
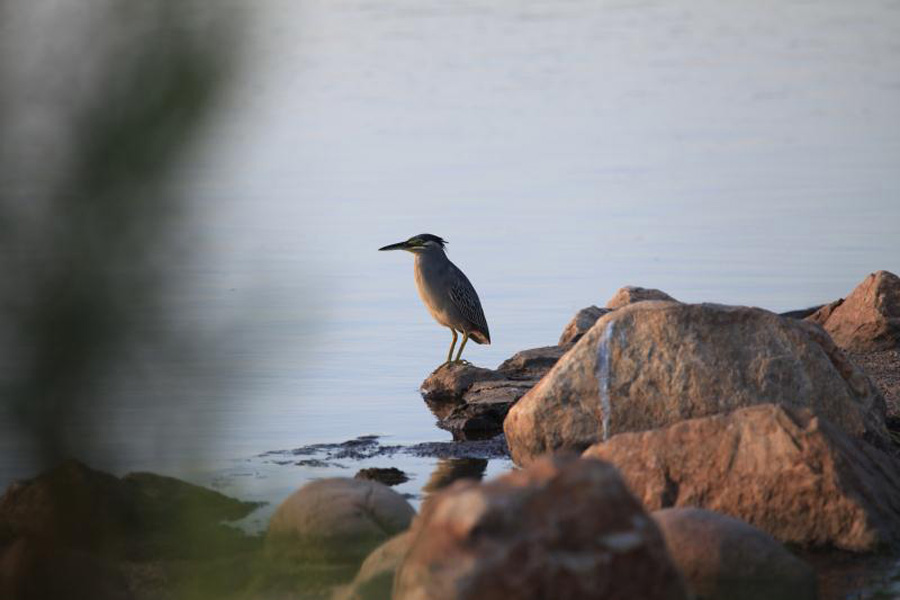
(449, 470)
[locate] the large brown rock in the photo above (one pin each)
(869, 318)
(791, 474)
(583, 320)
(472, 402)
(563, 529)
(651, 364)
(631, 294)
(723, 558)
(337, 519)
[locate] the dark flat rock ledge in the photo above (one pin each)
(471, 402)
(370, 446)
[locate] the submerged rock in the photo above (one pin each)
(723, 558)
(788, 472)
(563, 528)
(631, 294)
(651, 364)
(869, 318)
(337, 519)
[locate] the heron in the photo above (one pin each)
(446, 291)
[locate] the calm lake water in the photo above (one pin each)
(742, 152)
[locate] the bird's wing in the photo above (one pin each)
(466, 300)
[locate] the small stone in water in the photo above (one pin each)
(387, 476)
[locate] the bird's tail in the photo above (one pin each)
(481, 337)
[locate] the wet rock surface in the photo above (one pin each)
(563, 529)
(472, 402)
(651, 364)
(723, 558)
(867, 320)
(370, 446)
(447, 384)
(791, 474)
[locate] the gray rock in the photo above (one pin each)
(337, 519)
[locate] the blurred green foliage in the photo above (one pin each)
(83, 221)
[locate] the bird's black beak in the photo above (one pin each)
(397, 246)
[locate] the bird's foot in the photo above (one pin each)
(462, 362)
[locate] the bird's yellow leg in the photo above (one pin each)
(463, 345)
(452, 345)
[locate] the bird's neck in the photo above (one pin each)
(430, 256)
